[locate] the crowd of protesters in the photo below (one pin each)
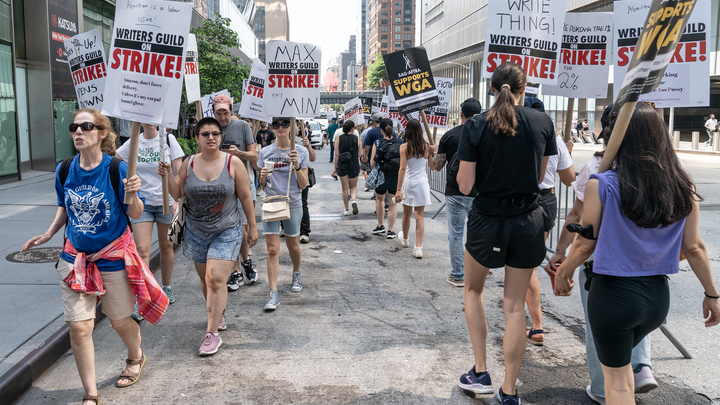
(637, 219)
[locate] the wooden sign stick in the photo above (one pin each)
(427, 127)
(166, 196)
(132, 159)
(302, 129)
(198, 109)
(568, 120)
(434, 134)
(618, 133)
(293, 131)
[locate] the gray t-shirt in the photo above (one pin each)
(277, 181)
(239, 133)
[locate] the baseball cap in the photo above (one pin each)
(470, 107)
(222, 101)
(534, 103)
(377, 117)
(282, 119)
(334, 119)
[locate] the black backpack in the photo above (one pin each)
(114, 177)
(390, 153)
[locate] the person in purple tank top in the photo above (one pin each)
(637, 219)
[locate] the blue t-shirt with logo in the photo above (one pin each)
(95, 217)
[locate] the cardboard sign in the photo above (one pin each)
(206, 102)
(86, 58)
(146, 61)
(437, 116)
(395, 115)
(527, 33)
(293, 79)
(384, 105)
(353, 110)
(584, 56)
(685, 82)
(367, 106)
(411, 79)
(252, 104)
(192, 71)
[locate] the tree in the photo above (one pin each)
(331, 81)
(376, 73)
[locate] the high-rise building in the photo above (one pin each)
(352, 45)
(363, 33)
(271, 23)
(390, 26)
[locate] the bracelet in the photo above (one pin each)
(297, 170)
(711, 297)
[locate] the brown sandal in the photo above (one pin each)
(133, 377)
(95, 398)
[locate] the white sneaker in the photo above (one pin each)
(354, 208)
(346, 212)
(404, 242)
(596, 398)
(417, 252)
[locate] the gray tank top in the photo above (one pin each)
(212, 205)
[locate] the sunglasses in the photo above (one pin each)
(284, 124)
(85, 126)
(207, 134)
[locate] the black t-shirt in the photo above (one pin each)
(449, 145)
(508, 165)
(265, 137)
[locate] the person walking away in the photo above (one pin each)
(147, 159)
(503, 153)
(305, 223)
(275, 183)
(458, 205)
(330, 137)
(637, 218)
(710, 127)
(99, 259)
(238, 140)
(264, 135)
(373, 135)
(413, 183)
(347, 165)
(363, 135)
(386, 153)
(214, 183)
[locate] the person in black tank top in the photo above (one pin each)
(347, 164)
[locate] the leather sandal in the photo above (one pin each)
(133, 377)
(532, 332)
(95, 398)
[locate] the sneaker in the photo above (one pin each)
(596, 398)
(304, 239)
(136, 316)
(273, 301)
(507, 399)
(354, 208)
(417, 252)
(346, 212)
(296, 281)
(168, 291)
(404, 242)
(282, 232)
(251, 275)
(373, 197)
(235, 281)
(210, 344)
(222, 325)
(367, 189)
(390, 235)
(478, 384)
(379, 230)
(457, 283)
(645, 380)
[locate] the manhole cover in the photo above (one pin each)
(39, 255)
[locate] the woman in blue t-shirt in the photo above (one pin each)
(89, 208)
(639, 216)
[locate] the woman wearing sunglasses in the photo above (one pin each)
(213, 181)
(282, 159)
(99, 258)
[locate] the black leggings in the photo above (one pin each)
(622, 311)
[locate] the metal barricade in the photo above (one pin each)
(437, 183)
(565, 199)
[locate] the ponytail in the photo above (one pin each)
(509, 80)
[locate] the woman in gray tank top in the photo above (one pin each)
(213, 181)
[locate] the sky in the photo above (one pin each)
(327, 23)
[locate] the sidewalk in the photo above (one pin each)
(372, 325)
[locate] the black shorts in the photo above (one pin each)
(549, 204)
(622, 311)
(342, 170)
(390, 185)
(523, 243)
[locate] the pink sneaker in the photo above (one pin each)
(222, 325)
(645, 380)
(210, 344)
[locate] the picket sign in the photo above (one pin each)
(253, 103)
(293, 79)
(207, 100)
(192, 71)
(86, 57)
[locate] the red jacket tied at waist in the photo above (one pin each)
(85, 276)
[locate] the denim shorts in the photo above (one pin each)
(291, 226)
(199, 246)
(153, 213)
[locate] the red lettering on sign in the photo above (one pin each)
(534, 67)
(292, 81)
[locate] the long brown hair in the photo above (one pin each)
(509, 80)
(108, 143)
(414, 139)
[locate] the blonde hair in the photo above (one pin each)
(108, 143)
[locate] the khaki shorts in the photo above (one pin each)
(117, 302)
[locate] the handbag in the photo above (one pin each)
(277, 210)
(311, 177)
(375, 179)
(176, 230)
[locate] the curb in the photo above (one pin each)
(697, 152)
(20, 377)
